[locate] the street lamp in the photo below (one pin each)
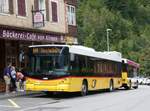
(107, 30)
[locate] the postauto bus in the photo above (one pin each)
(72, 68)
(130, 71)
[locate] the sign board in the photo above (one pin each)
(38, 19)
(46, 50)
(15, 34)
(71, 40)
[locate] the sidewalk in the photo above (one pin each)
(17, 94)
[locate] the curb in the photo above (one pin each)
(17, 94)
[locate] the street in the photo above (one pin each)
(121, 100)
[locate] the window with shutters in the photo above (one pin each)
(21, 7)
(54, 11)
(71, 15)
(4, 6)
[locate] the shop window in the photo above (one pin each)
(11, 52)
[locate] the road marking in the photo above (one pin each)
(38, 106)
(13, 103)
(6, 106)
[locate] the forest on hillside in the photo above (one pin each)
(130, 24)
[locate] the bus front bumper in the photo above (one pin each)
(57, 88)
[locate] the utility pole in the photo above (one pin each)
(107, 31)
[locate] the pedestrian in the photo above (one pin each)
(13, 78)
(20, 81)
(7, 78)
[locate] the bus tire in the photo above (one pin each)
(111, 86)
(49, 93)
(84, 88)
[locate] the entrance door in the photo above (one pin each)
(2, 64)
(2, 57)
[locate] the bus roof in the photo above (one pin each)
(130, 62)
(86, 51)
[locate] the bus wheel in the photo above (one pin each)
(111, 86)
(49, 93)
(84, 88)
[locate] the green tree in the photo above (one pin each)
(130, 24)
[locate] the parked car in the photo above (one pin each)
(140, 80)
(148, 81)
(144, 81)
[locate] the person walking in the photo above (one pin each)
(13, 78)
(7, 78)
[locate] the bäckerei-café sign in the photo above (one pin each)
(30, 36)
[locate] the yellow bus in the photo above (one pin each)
(72, 68)
(130, 71)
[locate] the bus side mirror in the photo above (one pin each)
(72, 57)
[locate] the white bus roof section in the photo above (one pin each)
(125, 60)
(86, 51)
(116, 56)
(48, 45)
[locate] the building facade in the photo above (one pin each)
(71, 6)
(27, 22)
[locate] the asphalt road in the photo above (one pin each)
(119, 100)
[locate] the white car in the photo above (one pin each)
(140, 80)
(144, 81)
(148, 81)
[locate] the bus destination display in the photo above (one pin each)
(46, 50)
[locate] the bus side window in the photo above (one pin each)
(81, 63)
(74, 63)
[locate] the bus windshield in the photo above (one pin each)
(50, 61)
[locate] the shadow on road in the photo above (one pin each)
(66, 95)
